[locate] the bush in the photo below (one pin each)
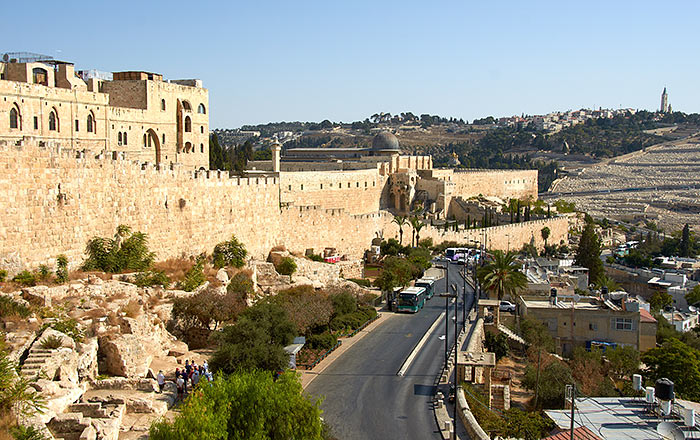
(194, 277)
(497, 344)
(287, 266)
(126, 251)
(229, 253)
(152, 278)
(26, 433)
(52, 342)
(67, 326)
(43, 272)
(25, 278)
(10, 307)
(3, 275)
(323, 341)
(344, 302)
(61, 269)
(364, 282)
(314, 257)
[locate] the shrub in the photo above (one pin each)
(126, 251)
(364, 282)
(10, 307)
(241, 284)
(497, 344)
(61, 269)
(152, 278)
(229, 253)
(323, 341)
(3, 275)
(315, 257)
(194, 277)
(67, 326)
(43, 272)
(25, 278)
(26, 433)
(51, 342)
(287, 266)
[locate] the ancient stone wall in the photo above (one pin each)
(355, 191)
(505, 184)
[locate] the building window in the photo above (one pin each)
(125, 141)
(321, 186)
(36, 122)
(186, 105)
(14, 118)
(201, 109)
(188, 124)
(302, 187)
(163, 137)
(162, 104)
(188, 147)
(201, 129)
(40, 76)
(201, 148)
(90, 123)
(290, 187)
(77, 125)
(144, 141)
(592, 326)
(119, 138)
(622, 324)
(53, 121)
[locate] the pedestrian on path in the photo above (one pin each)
(161, 381)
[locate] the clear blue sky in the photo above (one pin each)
(345, 60)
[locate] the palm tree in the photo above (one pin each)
(502, 276)
(417, 225)
(401, 221)
(545, 235)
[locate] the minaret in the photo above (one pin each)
(664, 101)
(276, 149)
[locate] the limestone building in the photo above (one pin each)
(137, 114)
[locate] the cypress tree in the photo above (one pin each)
(588, 253)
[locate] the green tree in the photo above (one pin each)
(605, 281)
(396, 272)
(256, 340)
(588, 252)
(417, 225)
(497, 344)
(401, 221)
(659, 300)
(551, 384)
(693, 297)
(305, 307)
(390, 247)
(229, 253)
(678, 362)
(245, 405)
(216, 154)
(545, 235)
(194, 277)
(624, 361)
(61, 269)
(502, 277)
(286, 266)
(685, 245)
(125, 251)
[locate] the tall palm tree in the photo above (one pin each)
(401, 221)
(502, 276)
(417, 225)
(545, 235)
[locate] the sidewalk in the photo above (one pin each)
(307, 376)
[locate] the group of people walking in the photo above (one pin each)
(191, 375)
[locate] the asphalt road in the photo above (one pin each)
(365, 399)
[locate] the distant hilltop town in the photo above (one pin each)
(83, 153)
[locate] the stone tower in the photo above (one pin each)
(664, 101)
(276, 149)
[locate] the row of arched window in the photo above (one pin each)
(54, 121)
(201, 109)
(122, 139)
(189, 148)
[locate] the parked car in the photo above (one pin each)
(506, 306)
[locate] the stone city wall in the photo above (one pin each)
(355, 191)
(505, 184)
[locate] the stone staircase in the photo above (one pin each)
(35, 361)
(511, 335)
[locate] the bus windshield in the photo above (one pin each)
(408, 299)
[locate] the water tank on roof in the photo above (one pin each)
(649, 395)
(637, 382)
(664, 389)
(689, 417)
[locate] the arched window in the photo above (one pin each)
(201, 148)
(162, 104)
(54, 124)
(188, 147)
(40, 76)
(125, 142)
(186, 105)
(188, 124)
(119, 138)
(201, 109)
(90, 123)
(201, 129)
(15, 121)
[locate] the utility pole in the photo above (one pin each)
(573, 406)
(464, 295)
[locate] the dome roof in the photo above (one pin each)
(385, 141)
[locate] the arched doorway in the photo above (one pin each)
(153, 141)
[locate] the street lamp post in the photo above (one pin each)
(447, 296)
(447, 314)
